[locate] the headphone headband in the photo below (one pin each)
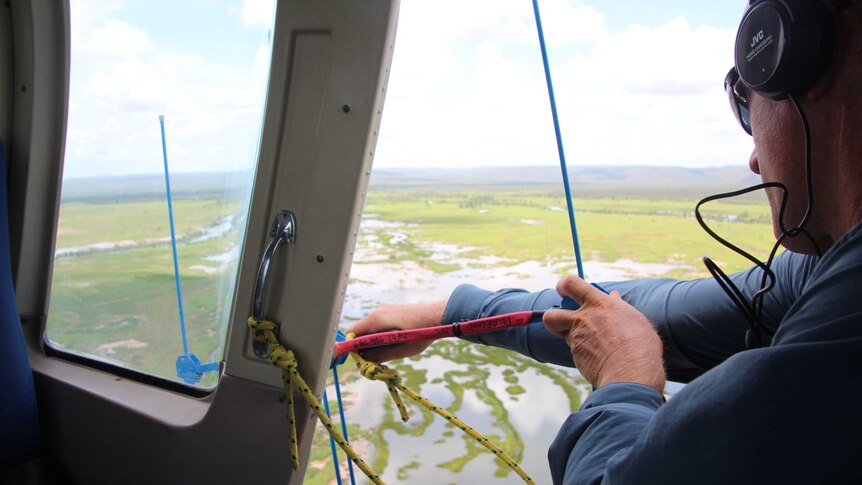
(783, 47)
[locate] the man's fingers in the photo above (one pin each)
(578, 290)
(394, 352)
(558, 322)
(369, 324)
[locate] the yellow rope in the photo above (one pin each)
(380, 372)
(265, 331)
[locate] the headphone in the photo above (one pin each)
(783, 47)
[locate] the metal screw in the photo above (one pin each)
(319, 258)
(345, 108)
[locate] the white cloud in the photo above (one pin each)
(567, 23)
(467, 88)
(122, 80)
(646, 58)
(472, 91)
(88, 13)
(655, 95)
(112, 39)
(257, 13)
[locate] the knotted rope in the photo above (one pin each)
(284, 359)
(392, 379)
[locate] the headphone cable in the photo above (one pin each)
(752, 310)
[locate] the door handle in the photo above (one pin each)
(283, 231)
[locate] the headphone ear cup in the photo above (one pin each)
(784, 46)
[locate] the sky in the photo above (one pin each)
(637, 83)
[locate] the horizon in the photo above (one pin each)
(429, 168)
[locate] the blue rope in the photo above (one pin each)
(332, 440)
(189, 366)
(174, 239)
(563, 167)
(343, 421)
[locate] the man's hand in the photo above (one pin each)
(610, 340)
(399, 317)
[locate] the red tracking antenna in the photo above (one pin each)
(469, 327)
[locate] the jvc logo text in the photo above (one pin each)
(757, 38)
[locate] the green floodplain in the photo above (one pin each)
(113, 293)
(531, 225)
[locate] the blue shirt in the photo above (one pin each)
(789, 412)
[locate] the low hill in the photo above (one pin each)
(588, 181)
(131, 187)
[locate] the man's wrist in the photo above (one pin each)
(635, 374)
(628, 392)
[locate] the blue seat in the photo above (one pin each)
(19, 419)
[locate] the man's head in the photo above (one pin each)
(811, 51)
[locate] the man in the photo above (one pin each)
(787, 411)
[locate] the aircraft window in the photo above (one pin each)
(205, 67)
(466, 189)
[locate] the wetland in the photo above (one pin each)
(113, 298)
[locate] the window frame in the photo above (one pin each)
(242, 420)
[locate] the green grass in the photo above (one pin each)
(404, 472)
(515, 390)
(519, 226)
(83, 223)
(126, 297)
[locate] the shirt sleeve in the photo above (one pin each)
(777, 414)
(698, 324)
(768, 415)
(610, 421)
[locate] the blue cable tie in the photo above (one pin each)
(191, 370)
(570, 304)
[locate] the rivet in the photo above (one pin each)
(319, 258)
(345, 108)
